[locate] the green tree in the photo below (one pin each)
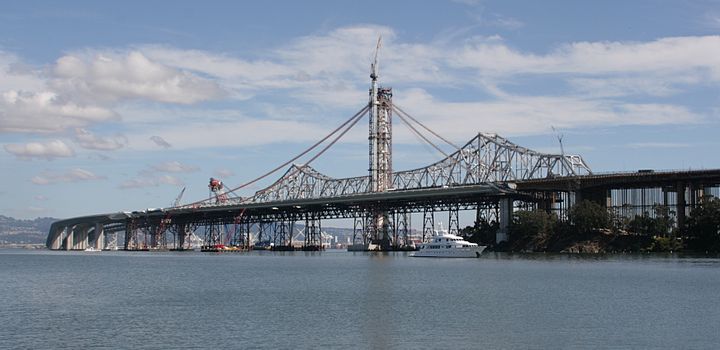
(660, 224)
(587, 216)
(532, 224)
(483, 232)
(663, 221)
(704, 225)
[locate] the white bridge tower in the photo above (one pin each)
(380, 148)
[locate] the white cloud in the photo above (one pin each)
(43, 112)
(662, 56)
(522, 115)
(245, 74)
(657, 145)
(628, 86)
(150, 178)
(174, 167)
(14, 75)
(111, 76)
(328, 71)
(138, 183)
(149, 181)
(74, 175)
(245, 132)
(48, 150)
(223, 173)
(170, 180)
(88, 140)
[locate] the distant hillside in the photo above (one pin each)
(14, 231)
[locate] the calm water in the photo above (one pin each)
(355, 300)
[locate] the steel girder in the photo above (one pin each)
(487, 158)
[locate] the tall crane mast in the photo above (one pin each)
(380, 148)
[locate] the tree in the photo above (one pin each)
(536, 223)
(660, 224)
(704, 225)
(663, 221)
(587, 216)
(482, 232)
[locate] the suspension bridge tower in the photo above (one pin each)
(380, 149)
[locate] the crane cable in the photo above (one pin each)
(353, 119)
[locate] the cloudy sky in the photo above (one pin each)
(108, 106)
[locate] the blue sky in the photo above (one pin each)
(109, 106)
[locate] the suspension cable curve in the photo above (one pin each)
(401, 111)
(337, 138)
(354, 117)
(416, 132)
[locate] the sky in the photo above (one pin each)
(110, 106)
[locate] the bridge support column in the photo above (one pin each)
(57, 235)
(180, 233)
(99, 236)
(428, 224)
(454, 219)
(505, 218)
(359, 236)
(680, 205)
(81, 237)
(401, 228)
(69, 237)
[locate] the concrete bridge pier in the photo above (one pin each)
(69, 237)
(505, 207)
(80, 237)
(99, 236)
(57, 238)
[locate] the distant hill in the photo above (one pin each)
(14, 231)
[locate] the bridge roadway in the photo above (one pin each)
(594, 187)
(439, 198)
(620, 180)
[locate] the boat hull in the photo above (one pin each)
(469, 252)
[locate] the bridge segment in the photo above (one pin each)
(489, 174)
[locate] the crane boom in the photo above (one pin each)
(374, 66)
(178, 198)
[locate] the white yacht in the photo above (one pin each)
(446, 245)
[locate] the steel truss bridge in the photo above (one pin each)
(489, 175)
(479, 176)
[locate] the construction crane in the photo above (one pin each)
(374, 66)
(217, 189)
(559, 137)
(177, 200)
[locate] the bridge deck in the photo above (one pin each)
(639, 179)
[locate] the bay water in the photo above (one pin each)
(344, 300)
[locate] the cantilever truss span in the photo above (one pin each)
(475, 176)
(487, 158)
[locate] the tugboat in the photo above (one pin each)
(446, 245)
